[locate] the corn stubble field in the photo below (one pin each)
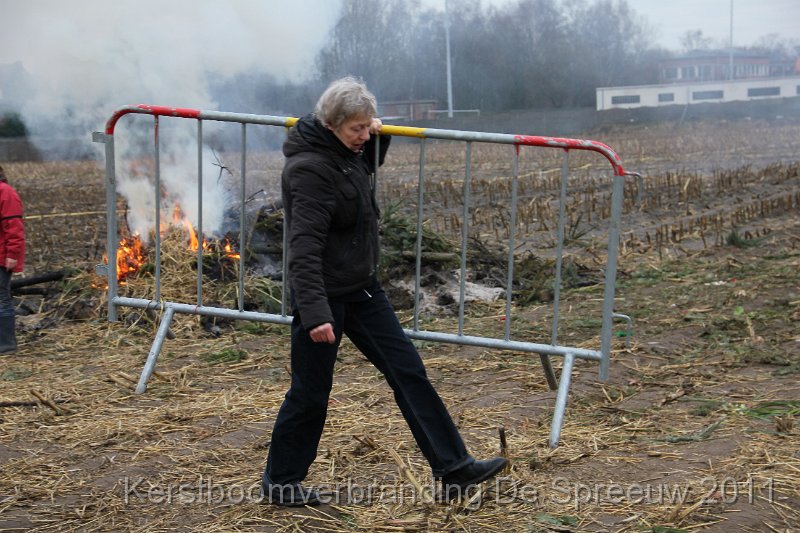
(694, 431)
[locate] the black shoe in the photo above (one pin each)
(457, 484)
(289, 495)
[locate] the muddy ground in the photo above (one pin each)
(696, 429)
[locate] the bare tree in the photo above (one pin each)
(527, 54)
(695, 40)
(372, 39)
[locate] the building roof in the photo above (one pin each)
(712, 53)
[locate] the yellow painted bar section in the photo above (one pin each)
(406, 131)
(386, 129)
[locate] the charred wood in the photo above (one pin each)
(35, 280)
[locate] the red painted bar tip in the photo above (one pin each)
(160, 110)
(574, 144)
(165, 111)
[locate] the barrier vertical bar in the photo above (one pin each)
(420, 198)
(562, 215)
(512, 235)
(158, 207)
(242, 220)
(285, 285)
(376, 166)
(546, 364)
(285, 270)
(618, 191)
(199, 212)
(112, 241)
(464, 235)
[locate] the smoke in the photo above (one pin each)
(178, 185)
(83, 60)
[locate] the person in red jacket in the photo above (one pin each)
(12, 259)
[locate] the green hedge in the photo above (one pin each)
(12, 125)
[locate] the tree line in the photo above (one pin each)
(526, 54)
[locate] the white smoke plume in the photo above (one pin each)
(84, 59)
(178, 179)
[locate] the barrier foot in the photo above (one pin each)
(561, 400)
(548, 371)
(628, 329)
(150, 365)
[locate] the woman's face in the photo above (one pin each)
(354, 132)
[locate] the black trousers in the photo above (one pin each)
(6, 302)
(368, 320)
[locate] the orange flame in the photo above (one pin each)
(131, 254)
(230, 252)
(130, 257)
(180, 220)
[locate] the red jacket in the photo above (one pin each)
(12, 231)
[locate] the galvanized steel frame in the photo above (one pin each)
(601, 356)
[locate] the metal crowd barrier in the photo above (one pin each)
(545, 351)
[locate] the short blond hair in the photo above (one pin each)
(344, 99)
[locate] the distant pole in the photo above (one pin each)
(449, 73)
(731, 43)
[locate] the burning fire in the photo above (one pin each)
(179, 220)
(229, 251)
(132, 256)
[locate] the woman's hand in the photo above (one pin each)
(323, 333)
(375, 126)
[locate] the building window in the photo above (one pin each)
(670, 73)
(688, 73)
(798, 90)
(764, 91)
(625, 99)
(666, 97)
(706, 95)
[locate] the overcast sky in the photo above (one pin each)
(752, 19)
(283, 36)
(90, 54)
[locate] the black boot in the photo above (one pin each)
(8, 337)
(456, 484)
(288, 494)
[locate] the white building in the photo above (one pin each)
(696, 92)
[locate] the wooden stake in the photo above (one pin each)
(120, 381)
(504, 448)
(49, 403)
